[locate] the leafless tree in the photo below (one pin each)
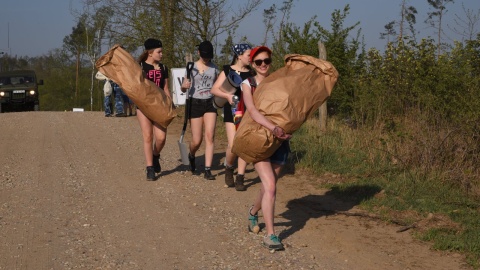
(468, 24)
(435, 19)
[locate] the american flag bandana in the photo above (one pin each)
(239, 49)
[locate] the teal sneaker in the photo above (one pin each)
(272, 242)
(253, 222)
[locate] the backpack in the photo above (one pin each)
(241, 108)
(107, 88)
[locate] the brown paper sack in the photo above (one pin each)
(118, 65)
(287, 97)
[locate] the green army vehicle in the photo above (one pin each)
(19, 91)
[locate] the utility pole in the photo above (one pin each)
(8, 39)
(322, 54)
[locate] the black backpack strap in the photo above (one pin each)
(252, 82)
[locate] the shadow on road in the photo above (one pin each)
(301, 210)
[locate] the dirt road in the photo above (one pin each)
(73, 195)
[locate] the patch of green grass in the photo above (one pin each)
(369, 171)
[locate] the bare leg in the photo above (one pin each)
(242, 166)
(267, 194)
(209, 120)
(229, 156)
(147, 133)
(196, 125)
(160, 134)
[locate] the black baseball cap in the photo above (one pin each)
(152, 43)
(206, 49)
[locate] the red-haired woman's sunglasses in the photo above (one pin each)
(267, 61)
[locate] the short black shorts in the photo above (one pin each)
(227, 113)
(201, 106)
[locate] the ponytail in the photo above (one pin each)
(143, 56)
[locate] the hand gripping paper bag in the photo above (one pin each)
(119, 66)
(287, 97)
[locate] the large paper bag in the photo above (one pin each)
(119, 66)
(287, 97)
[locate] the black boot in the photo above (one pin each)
(208, 174)
(229, 181)
(156, 164)
(150, 173)
(191, 159)
(239, 186)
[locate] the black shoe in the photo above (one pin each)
(191, 159)
(120, 115)
(239, 186)
(150, 173)
(156, 164)
(108, 115)
(229, 181)
(208, 175)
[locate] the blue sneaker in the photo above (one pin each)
(253, 222)
(272, 242)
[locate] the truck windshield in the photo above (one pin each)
(15, 80)
(5, 80)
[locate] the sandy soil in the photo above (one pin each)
(73, 195)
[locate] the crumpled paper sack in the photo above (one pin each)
(287, 97)
(119, 66)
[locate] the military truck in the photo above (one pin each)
(19, 91)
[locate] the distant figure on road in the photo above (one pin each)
(107, 92)
(119, 103)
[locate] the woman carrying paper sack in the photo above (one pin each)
(268, 169)
(287, 97)
(152, 132)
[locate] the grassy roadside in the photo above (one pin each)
(373, 170)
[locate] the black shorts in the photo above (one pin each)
(281, 155)
(227, 113)
(201, 106)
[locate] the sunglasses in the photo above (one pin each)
(267, 61)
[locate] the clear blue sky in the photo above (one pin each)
(34, 27)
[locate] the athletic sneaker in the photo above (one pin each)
(253, 222)
(272, 242)
(156, 164)
(150, 173)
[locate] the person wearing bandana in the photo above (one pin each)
(241, 65)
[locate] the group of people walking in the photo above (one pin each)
(205, 82)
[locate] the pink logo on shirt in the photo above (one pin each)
(155, 76)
